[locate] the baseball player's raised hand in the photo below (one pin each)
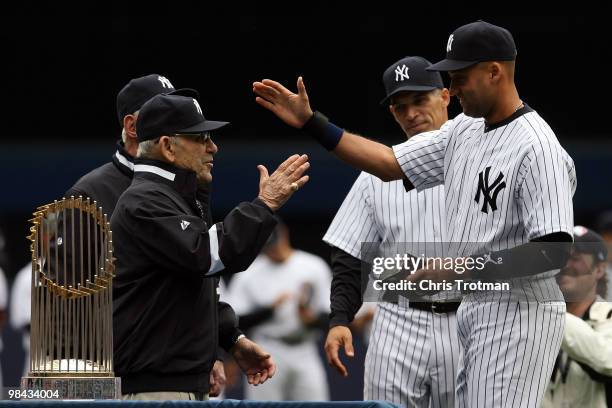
(253, 361)
(339, 336)
(293, 109)
(276, 188)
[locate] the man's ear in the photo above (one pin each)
(129, 125)
(600, 270)
(495, 71)
(445, 95)
(167, 149)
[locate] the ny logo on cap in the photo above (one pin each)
(197, 105)
(165, 82)
(401, 73)
(449, 44)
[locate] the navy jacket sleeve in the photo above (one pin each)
(346, 295)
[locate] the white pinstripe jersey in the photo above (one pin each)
(505, 185)
(412, 353)
(375, 211)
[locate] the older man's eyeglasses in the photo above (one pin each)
(196, 137)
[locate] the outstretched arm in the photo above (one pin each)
(369, 156)
(294, 109)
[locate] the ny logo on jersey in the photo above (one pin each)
(165, 82)
(401, 73)
(197, 105)
(485, 188)
(449, 44)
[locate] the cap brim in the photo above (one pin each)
(188, 92)
(205, 126)
(450, 65)
(408, 88)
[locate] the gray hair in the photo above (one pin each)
(148, 149)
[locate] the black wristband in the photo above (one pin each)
(325, 132)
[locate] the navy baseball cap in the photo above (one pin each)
(474, 43)
(168, 114)
(589, 242)
(409, 74)
(138, 91)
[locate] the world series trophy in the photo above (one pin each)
(71, 345)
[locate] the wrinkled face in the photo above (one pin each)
(579, 276)
(418, 112)
(474, 89)
(196, 152)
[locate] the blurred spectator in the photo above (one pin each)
(583, 369)
(293, 286)
(604, 227)
(246, 322)
(21, 309)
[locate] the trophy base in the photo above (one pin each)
(72, 387)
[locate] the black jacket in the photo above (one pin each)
(106, 183)
(165, 316)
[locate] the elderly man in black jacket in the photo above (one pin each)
(105, 184)
(165, 301)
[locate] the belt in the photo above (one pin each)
(435, 307)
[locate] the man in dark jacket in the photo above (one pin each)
(106, 183)
(165, 302)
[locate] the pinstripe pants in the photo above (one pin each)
(509, 344)
(412, 358)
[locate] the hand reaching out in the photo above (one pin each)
(293, 109)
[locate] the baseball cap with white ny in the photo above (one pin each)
(170, 114)
(409, 74)
(476, 42)
(139, 90)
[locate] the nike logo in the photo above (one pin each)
(184, 224)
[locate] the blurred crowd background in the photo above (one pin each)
(61, 79)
